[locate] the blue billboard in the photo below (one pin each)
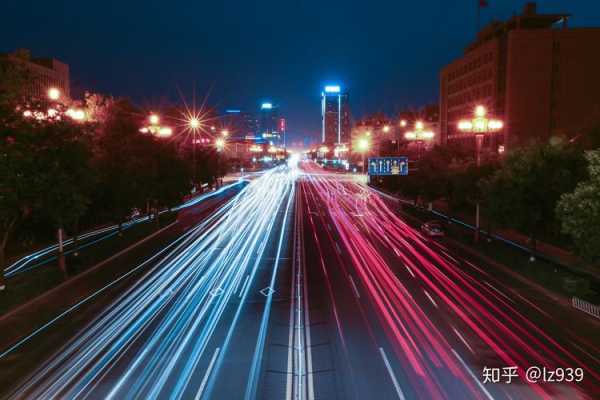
(388, 166)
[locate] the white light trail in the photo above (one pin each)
(149, 342)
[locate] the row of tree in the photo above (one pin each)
(60, 174)
(543, 190)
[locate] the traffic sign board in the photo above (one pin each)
(388, 166)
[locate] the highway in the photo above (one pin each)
(399, 316)
(183, 330)
(306, 284)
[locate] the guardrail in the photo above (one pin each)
(586, 307)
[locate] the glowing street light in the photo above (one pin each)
(480, 125)
(53, 93)
(420, 134)
(225, 132)
(220, 144)
(194, 123)
(154, 119)
(363, 146)
(403, 123)
(386, 128)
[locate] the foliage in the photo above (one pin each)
(524, 192)
(579, 211)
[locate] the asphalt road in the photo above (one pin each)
(399, 315)
(305, 286)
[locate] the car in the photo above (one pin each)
(433, 229)
(135, 213)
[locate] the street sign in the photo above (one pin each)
(388, 166)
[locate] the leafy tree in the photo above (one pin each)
(524, 192)
(579, 211)
(121, 160)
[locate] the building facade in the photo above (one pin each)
(534, 72)
(269, 124)
(42, 74)
(335, 116)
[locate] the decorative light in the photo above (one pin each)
(53, 93)
(194, 123)
(154, 119)
(165, 131)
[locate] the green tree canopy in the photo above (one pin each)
(579, 211)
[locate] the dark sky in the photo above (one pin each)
(387, 54)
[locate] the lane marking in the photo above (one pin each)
(354, 287)
(430, 298)
(207, 374)
(391, 372)
(489, 396)
(499, 292)
(410, 271)
(462, 339)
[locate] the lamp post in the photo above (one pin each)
(363, 147)
(220, 146)
(480, 125)
(194, 124)
(420, 135)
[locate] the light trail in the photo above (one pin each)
(48, 254)
(153, 340)
(377, 242)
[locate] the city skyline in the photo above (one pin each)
(190, 50)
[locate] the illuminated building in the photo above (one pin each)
(42, 74)
(268, 124)
(335, 115)
(534, 72)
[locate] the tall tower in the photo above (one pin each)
(335, 114)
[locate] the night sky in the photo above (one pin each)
(387, 54)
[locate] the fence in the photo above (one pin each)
(586, 307)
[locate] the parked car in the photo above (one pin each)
(433, 229)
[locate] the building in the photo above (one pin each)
(335, 115)
(42, 73)
(241, 125)
(269, 124)
(534, 72)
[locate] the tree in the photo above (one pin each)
(122, 161)
(579, 211)
(524, 192)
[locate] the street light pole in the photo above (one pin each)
(479, 125)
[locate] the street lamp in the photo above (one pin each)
(154, 119)
(53, 93)
(363, 147)
(220, 145)
(420, 135)
(480, 125)
(386, 128)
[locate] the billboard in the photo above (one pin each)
(384, 166)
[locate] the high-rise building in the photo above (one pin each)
(269, 124)
(534, 72)
(335, 114)
(42, 73)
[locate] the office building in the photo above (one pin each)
(41, 73)
(335, 116)
(534, 72)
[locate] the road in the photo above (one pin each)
(309, 285)
(399, 316)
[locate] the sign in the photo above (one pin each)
(388, 166)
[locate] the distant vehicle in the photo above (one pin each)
(433, 229)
